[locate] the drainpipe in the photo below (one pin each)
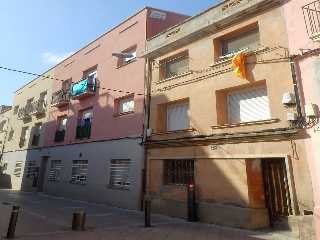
(296, 90)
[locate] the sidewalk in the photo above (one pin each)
(45, 217)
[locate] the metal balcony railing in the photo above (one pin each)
(311, 14)
(22, 142)
(38, 107)
(60, 98)
(59, 136)
(24, 112)
(84, 88)
(83, 132)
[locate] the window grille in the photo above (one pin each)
(79, 171)
(178, 172)
(31, 169)
(120, 173)
(54, 174)
(18, 169)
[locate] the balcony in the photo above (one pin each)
(83, 132)
(59, 136)
(84, 88)
(38, 107)
(60, 98)
(311, 16)
(24, 113)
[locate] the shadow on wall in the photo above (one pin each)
(5, 180)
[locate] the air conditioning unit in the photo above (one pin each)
(288, 98)
(292, 116)
(311, 110)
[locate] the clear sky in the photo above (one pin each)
(37, 34)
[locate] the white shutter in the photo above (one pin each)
(87, 113)
(249, 105)
(178, 116)
(126, 105)
(63, 123)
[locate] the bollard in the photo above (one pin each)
(13, 221)
(191, 201)
(78, 221)
(147, 211)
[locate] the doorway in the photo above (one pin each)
(277, 194)
(41, 174)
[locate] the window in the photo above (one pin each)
(31, 169)
(130, 59)
(63, 123)
(87, 117)
(24, 136)
(176, 66)
(126, 105)
(60, 133)
(10, 137)
(3, 126)
(16, 108)
(54, 174)
(248, 105)
(79, 171)
(178, 116)
(178, 172)
(120, 173)
(18, 169)
(36, 134)
(250, 38)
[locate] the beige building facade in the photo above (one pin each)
(25, 132)
(237, 140)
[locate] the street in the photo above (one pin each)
(46, 217)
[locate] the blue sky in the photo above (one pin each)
(37, 34)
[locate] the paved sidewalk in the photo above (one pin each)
(45, 217)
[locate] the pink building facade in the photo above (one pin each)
(91, 150)
(302, 19)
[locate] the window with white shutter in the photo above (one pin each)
(126, 105)
(249, 105)
(178, 116)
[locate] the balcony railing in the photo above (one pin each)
(60, 98)
(24, 113)
(311, 14)
(84, 88)
(59, 136)
(83, 132)
(38, 107)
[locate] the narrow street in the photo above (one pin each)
(46, 217)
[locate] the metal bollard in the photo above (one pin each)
(147, 211)
(78, 221)
(13, 221)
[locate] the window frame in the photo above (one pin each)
(55, 168)
(124, 173)
(81, 169)
(18, 165)
(172, 175)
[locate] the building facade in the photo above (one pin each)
(237, 141)
(92, 148)
(302, 19)
(25, 132)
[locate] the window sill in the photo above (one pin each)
(175, 131)
(120, 188)
(260, 122)
(174, 77)
(79, 183)
(125, 64)
(123, 114)
(246, 54)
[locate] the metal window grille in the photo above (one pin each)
(79, 171)
(178, 172)
(120, 173)
(54, 174)
(18, 169)
(177, 66)
(31, 169)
